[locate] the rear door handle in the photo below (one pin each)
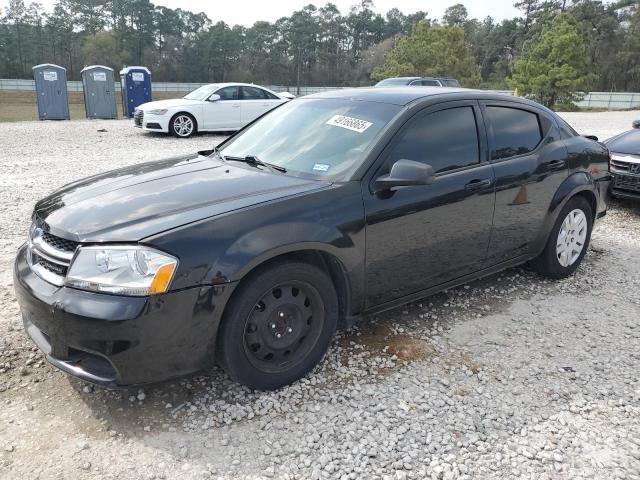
(478, 184)
(557, 165)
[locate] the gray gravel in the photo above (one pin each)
(509, 377)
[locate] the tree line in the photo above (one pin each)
(322, 46)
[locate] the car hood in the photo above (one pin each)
(135, 202)
(170, 103)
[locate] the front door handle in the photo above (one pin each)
(478, 184)
(557, 164)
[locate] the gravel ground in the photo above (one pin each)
(509, 377)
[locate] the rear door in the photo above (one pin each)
(256, 101)
(421, 236)
(223, 114)
(529, 159)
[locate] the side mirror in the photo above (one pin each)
(214, 98)
(405, 173)
(591, 137)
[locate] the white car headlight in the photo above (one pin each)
(158, 111)
(124, 270)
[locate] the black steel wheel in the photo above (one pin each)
(278, 325)
(284, 326)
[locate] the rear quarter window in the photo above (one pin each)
(513, 131)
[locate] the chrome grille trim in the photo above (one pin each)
(46, 259)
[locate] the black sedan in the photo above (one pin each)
(625, 164)
(324, 210)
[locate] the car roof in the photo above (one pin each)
(404, 95)
(233, 84)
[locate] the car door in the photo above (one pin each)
(224, 113)
(256, 101)
(530, 162)
(422, 236)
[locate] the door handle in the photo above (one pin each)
(478, 184)
(235, 105)
(557, 165)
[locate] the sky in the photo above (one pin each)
(247, 12)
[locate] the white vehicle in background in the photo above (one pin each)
(216, 107)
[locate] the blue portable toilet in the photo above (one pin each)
(136, 88)
(51, 92)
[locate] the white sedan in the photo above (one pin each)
(216, 107)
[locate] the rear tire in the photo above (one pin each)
(568, 242)
(182, 125)
(278, 325)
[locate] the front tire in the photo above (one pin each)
(182, 125)
(568, 242)
(278, 325)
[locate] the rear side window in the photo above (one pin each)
(253, 93)
(430, 83)
(446, 140)
(515, 131)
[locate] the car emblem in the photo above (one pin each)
(634, 168)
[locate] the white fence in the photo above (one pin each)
(605, 100)
(76, 86)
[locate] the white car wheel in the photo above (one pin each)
(183, 125)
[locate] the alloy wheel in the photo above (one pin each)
(183, 125)
(572, 237)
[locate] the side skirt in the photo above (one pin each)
(349, 321)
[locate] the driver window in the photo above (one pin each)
(228, 93)
(446, 140)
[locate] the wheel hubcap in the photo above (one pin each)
(183, 125)
(283, 327)
(571, 238)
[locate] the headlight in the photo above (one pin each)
(159, 111)
(124, 270)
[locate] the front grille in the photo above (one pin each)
(59, 243)
(137, 118)
(49, 256)
(55, 268)
(627, 182)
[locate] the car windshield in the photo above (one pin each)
(314, 138)
(201, 93)
(392, 82)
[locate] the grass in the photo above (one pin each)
(20, 106)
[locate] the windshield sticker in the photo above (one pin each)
(321, 167)
(349, 123)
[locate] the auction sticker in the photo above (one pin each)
(321, 167)
(349, 123)
(50, 76)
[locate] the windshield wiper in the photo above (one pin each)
(256, 162)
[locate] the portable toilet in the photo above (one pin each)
(99, 92)
(51, 92)
(136, 88)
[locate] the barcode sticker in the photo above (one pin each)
(350, 123)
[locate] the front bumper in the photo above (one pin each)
(152, 123)
(114, 340)
(625, 186)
